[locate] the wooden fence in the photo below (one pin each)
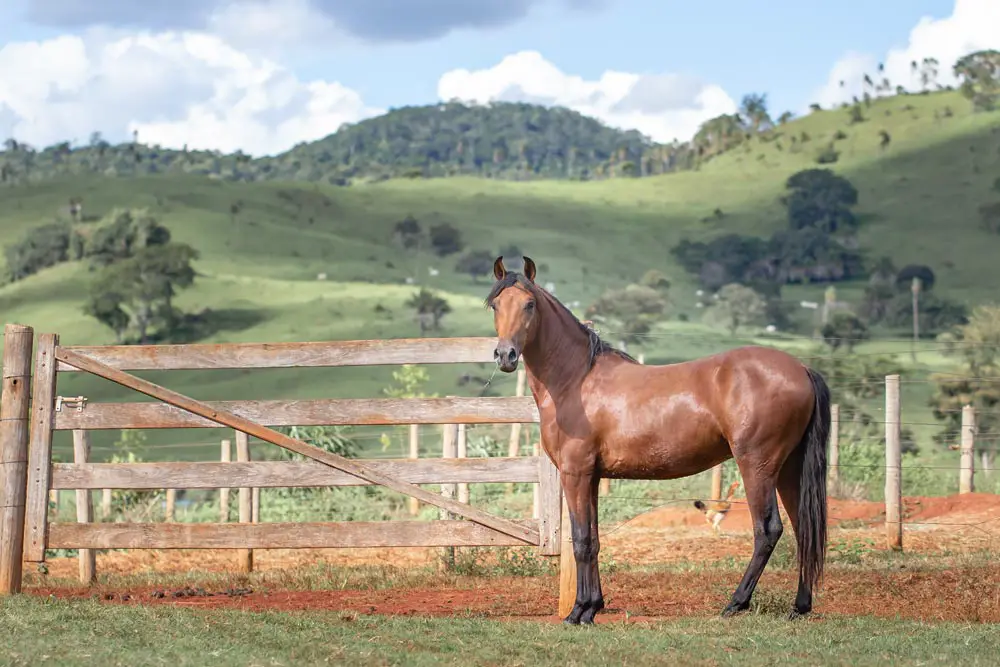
(27, 474)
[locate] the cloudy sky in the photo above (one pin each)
(263, 75)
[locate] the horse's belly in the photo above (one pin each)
(666, 458)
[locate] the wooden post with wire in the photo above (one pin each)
(14, 411)
(717, 482)
(244, 557)
(967, 457)
(412, 502)
(833, 461)
(514, 446)
(84, 506)
(105, 504)
(893, 465)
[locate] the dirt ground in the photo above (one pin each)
(946, 526)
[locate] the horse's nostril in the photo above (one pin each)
(496, 354)
(512, 355)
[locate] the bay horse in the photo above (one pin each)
(605, 415)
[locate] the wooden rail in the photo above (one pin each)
(391, 352)
(277, 474)
(318, 412)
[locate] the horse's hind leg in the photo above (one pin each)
(789, 488)
(581, 497)
(763, 503)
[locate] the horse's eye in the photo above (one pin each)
(530, 306)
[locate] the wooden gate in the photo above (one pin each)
(51, 413)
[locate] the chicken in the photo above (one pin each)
(715, 510)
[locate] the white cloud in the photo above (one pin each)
(664, 107)
(175, 88)
(973, 25)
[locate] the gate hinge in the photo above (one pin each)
(70, 401)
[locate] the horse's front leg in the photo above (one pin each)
(580, 492)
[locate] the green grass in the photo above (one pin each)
(259, 270)
(48, 632)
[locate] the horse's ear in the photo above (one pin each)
(498, 269)
(529, 269)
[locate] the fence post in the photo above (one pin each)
(567, 565)
(461, 450)
(105, 504)
(967, 459)
(834, 458)
(84, 507)
(893, 465)
(717, 482)
(513, 447)
(414, 504)
(448, 490)
(227, 456)
(43, 400)
(14, 407)
(244, 556)
(171, 503)
(549, 505)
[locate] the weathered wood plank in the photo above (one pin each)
(348, 534)
(85, 508)
(351, 466)
(40, 447)
(291, 355)
(276, 474)
(316, 412)
(15, 408)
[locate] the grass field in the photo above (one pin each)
(86, 632)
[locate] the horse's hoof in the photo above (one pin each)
(733, 610)
(795, 614)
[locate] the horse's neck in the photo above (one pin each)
(559, 355)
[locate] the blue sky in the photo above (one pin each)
(264, 74)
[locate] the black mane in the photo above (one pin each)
(598, 346)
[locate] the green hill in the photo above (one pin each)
(264, 245)
(503, 140)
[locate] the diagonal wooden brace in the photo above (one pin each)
(352, 467)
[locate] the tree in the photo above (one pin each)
(737, 305)
(42, 247)
(634, 308)
(905, 276)
(445, 239)
(753, 109)
(141, 289)
(408, 232)
(430, 309)
(476, 263)
(121, 234)
(844, 330)
(821, 199)
(980, 76)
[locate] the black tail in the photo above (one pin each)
(812, 489)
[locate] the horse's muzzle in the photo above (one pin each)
(506, 356)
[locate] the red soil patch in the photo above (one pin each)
(950, 595)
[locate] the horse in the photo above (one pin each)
(603, 414)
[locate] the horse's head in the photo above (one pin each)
(515, 312)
